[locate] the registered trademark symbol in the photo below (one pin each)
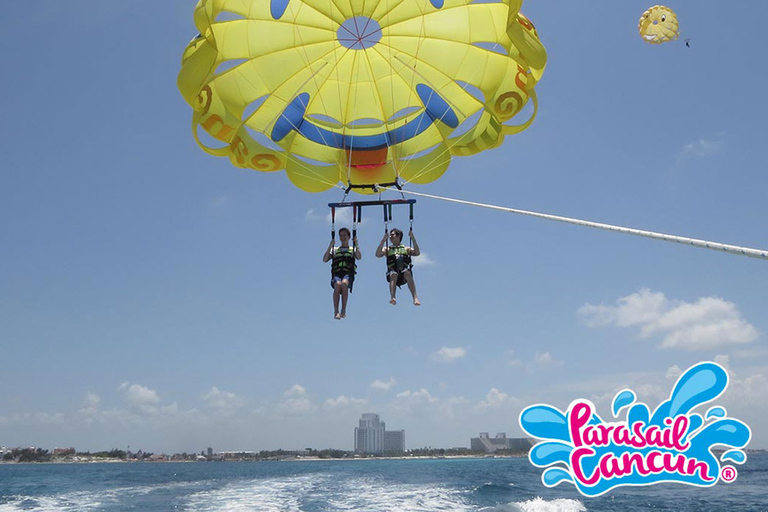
(728, 474)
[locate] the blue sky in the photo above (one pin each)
(154, 296)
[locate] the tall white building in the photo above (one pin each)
(371, 436)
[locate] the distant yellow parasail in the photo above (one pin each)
(359, 92)
(658, 25)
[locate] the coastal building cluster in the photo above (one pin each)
(371, 439)
(486, 443)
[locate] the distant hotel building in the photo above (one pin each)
(371, 436)
(488, 444)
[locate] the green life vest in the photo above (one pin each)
(343, 261)
(398, 258)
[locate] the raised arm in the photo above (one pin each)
(380, 249)
(415, 251)
(328, 254)
(358, 254)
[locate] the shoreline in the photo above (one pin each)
(285, 459)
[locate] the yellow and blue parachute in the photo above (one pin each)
(359, 92)
(658, 25)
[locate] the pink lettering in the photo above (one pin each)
(678, 432)
(700, 466)
(580, 414)
(578, 471)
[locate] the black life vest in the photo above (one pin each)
(343, 262)
(398, 258)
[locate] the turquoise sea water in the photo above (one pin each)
(461, 485)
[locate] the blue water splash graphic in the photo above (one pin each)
(623, 399)
(670, 444)
(716, 412)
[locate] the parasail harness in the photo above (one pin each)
(398, 257)
(343, 262)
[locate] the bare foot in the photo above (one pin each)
(416, 302)
(392, 301)
(343, 314)
(337, 316)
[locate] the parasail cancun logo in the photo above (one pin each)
(674, 444)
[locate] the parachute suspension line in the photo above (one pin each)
(357, 217)
(315, 175)
(333, 223)
(387, 218)
(410, 231)
(393, 150)
(715, 246)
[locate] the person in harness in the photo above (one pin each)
(343, 268)
(399, 263)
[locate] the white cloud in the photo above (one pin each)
(723, 360)
(313, 216)
(448, 354)
(222, 400)
(295, 401)
(344, 402)
(512, 360)
(343, 217)
(383, 385)
(57, 418)
(91, 400)
(140, 397)
(708, 323)
(543, 359)
(748, 393)
(171, 409)
(701, 148)
(91, 404)
(673, 373)
(296, 406)
(416, 398)
(296, 390)
(494, 399)
(423, 260)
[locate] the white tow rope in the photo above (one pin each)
(715, 246)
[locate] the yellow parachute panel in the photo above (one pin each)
(360, 92)
(658, 25)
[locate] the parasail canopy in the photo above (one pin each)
(658, 25)
(359, 92)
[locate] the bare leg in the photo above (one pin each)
(412, 287)
(336, 294)
(344, 296)
(392, 288)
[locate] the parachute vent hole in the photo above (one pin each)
(468, 125)
(403, 113)
(492, 47)
(329, 121)
(228, 64)
(420, 153)
(262, 139)
(310, 161)
(525, 113)
(366, 123)
(253, 106)
(208, 140)
(228, 16)
(476, 92)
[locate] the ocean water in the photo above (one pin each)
(423, 485)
